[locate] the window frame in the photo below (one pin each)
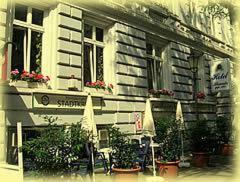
(156, 60)
(95, 43)
(29, 28)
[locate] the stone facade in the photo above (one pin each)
(128, 27)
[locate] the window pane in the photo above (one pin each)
(149, 48)
(99, 63)
(158, 75)
(21, 12)
(37, 17)
(36, 52)
(18, 55)
(150, 73)
(88, 31)
(99, 34)
(158, 52)
(87, 59)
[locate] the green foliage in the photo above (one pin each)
(123, 150)
(168, 135)
(57, 147)
(38, 57)
(201, 136)
(216, 10)
(223, 129)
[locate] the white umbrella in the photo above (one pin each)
(179, 117)
(89, 125)
(149, 128)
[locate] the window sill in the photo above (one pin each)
(155, 99)
(98, 91)
(26, 84)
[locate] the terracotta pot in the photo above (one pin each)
(200, 159)
(126, 175)
(227, 149)
(168, 169)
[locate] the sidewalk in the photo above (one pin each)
(221, 170)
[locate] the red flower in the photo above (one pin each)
(39, 77)
(111, 85)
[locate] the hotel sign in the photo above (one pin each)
(57, 101)
(220, 75)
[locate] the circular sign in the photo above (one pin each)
(45, 100)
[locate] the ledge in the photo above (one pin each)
(163, 100)
(30, 91)
(201, 102)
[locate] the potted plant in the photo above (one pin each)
(201, 96)
(99, 86)
(56, 149)
(201, 141)
(168, 136)
(162, 93)
(224, 134)
(28, 80)
(122, 156)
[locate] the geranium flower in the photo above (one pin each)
(100, 85)
(26, 76)
(161, 92)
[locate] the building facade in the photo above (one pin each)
(135, 46)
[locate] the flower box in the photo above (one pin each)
(98, 87)
(27, 84)
(94, 90)
(163, 93)
(160, 96)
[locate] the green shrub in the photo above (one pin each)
(223, 130)
(201, 136)
(57, 147)
(123, 151)
(168, 136)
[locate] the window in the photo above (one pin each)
(93, 53)
(154, 66)
(27, 35)
(103, 138)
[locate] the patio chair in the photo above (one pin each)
(143, 154)
(81, 165)
(99, 158)
(86, 161)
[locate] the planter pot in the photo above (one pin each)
(227, 149)
(165, 96)
(126, 175)
(160, 96)
(200, 100)
(200, 159)
(168, 169)
(26, 84)
(94, 90)
(151, 96)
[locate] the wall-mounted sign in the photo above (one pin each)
(220, 75)
(57, 101)
(138, 122)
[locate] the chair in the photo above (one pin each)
(143, 153)
(86, 161)
(99, 158)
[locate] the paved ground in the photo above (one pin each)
(221, 170)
